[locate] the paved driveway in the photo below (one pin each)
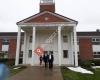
(38, 73)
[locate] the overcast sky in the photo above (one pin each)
(86, 12)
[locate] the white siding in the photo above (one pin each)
(96, 48)
(41, 37)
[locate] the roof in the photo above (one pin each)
(45, 17)
(9, 34)
(78, 33)
(88, 33)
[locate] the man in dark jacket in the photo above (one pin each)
(51, 59)
(45, 59)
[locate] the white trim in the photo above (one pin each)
(47, 24)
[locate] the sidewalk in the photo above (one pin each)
(38, 73)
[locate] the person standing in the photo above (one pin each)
(4, 72)
(51, 59)
(45, 58)
(41, 58)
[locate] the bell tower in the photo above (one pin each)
(47, 5)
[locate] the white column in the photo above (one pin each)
(18, 46)
(59, 44)
(75, 46)
(33, 45)
(24, 49)
(27, 47)
(72, 45)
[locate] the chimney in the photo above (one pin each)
(98, 30)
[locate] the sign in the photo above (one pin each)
(39, 51)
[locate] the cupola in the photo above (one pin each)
(47, 5)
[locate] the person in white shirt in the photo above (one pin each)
(51, 59)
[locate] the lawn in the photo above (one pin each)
(71, 75)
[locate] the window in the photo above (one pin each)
(22, 41)
(78, 53)
(65, 38)
(51, 52)
(21, 54)
(30, 39)
(5, 41)
(4, 54)
(96, 41)
(30, 54)
(77, 40)
(98, 52)
(65, 53)
(96, 55)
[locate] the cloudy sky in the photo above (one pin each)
(86, 12)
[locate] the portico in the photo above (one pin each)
(48, 30)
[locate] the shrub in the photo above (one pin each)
(96, 62)
(86, 64)
(9, 62)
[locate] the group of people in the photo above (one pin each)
(47, 59)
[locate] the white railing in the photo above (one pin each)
(47, 1)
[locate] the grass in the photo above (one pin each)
(15, 71)
(71, 75)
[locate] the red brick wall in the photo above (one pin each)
(0, 44)
(85, 49)
(50, 8)
(12, 48)
(51, 18)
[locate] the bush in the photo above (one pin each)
(86, 64)
(9, 62)
(3, 60)
(96, 62)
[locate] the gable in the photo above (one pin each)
(45, 17)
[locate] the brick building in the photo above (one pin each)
(88, 45)
(55, 34)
